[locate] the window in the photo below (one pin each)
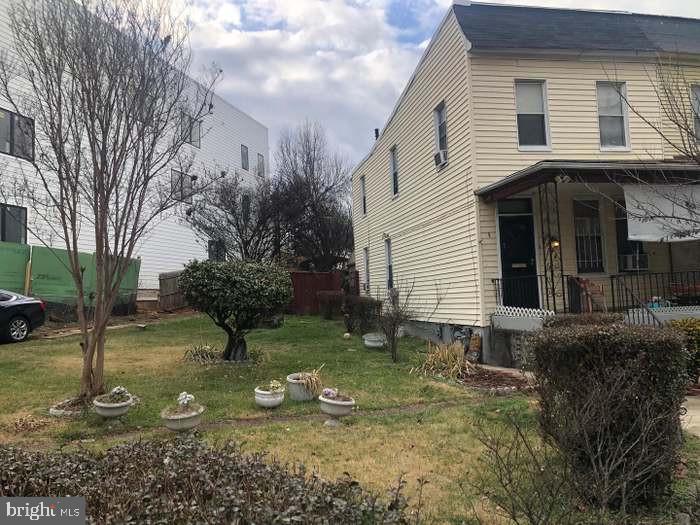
(181, 186)
(261, 165)
(394, 168)
(612, 114)
(695, 95)
(363, 195)
(16, 135)
(192, 130)
(589, 239)
(630, 254)
(13, 224)
(389, 265)
(366, 264)
(244, 157)
(217, 250)
(532, 113)
(245, 207)
(441, 126)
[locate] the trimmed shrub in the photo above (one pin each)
(361, 313)
(237, 296)
(330, 303)
(184, 481)
(691, 329)
(594, 318)
(611, 400)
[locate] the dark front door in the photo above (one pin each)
(518, 266)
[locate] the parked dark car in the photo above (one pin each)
(19, 315)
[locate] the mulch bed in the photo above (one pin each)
(495, 382)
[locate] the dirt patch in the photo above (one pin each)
(55, 329)
(495, 381)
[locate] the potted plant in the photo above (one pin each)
(270, 395)
(113, 404)
(335, 404)
(185, 415)
(305, 386)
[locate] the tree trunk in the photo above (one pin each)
(236, 347)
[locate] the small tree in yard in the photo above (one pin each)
(106, 84)
(237, 296)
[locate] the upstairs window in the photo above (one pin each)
(441, 126)
(244, 157)
(181, 186)
(261, 165)
(216, 250)
(192, 130)
(532, 113)
(13, 224)
(695, 96)
(394, 168)
(389, 265)
(589, 239)
(612, 115)
(16, 135)
(363, 195)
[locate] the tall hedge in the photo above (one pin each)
(611, 399)
(691, 330)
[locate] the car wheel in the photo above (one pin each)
(18, 329)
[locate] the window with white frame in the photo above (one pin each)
(16, 135)
(261, 165)
(244, 157)
(394, 168)
(531, 113)
(363, 195)
(365, 253)
(389, 264)
(441, 126)
(13, 224)
(695, 96)
(589, 237)
(612, 114)
(181, 186)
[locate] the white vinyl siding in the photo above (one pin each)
(531, 109)
(612, 115)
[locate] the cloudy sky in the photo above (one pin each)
(341, 62)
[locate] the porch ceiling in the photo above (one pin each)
(658, 172)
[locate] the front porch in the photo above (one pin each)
(565, 246)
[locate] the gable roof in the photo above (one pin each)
(496, 27)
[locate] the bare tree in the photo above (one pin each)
(313, 184)
(106, 82)
(241, 218)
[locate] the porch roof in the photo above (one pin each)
(659, 172)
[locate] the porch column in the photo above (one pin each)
(554, 293)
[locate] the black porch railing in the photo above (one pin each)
(628, 292)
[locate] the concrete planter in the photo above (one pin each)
(335, 407)
(268, 399)
(110, 410)
(180, 422)
(297, 390)
(374, 340)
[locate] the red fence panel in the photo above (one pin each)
(307, 285)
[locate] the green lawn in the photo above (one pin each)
(408, 424)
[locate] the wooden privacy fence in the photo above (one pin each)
(170, 297)
(306, 287)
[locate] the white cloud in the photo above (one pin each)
(336, 61)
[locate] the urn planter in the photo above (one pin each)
(180, 421)
(267, 399)
(110, 410)
(297, 389)
(336, 407)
